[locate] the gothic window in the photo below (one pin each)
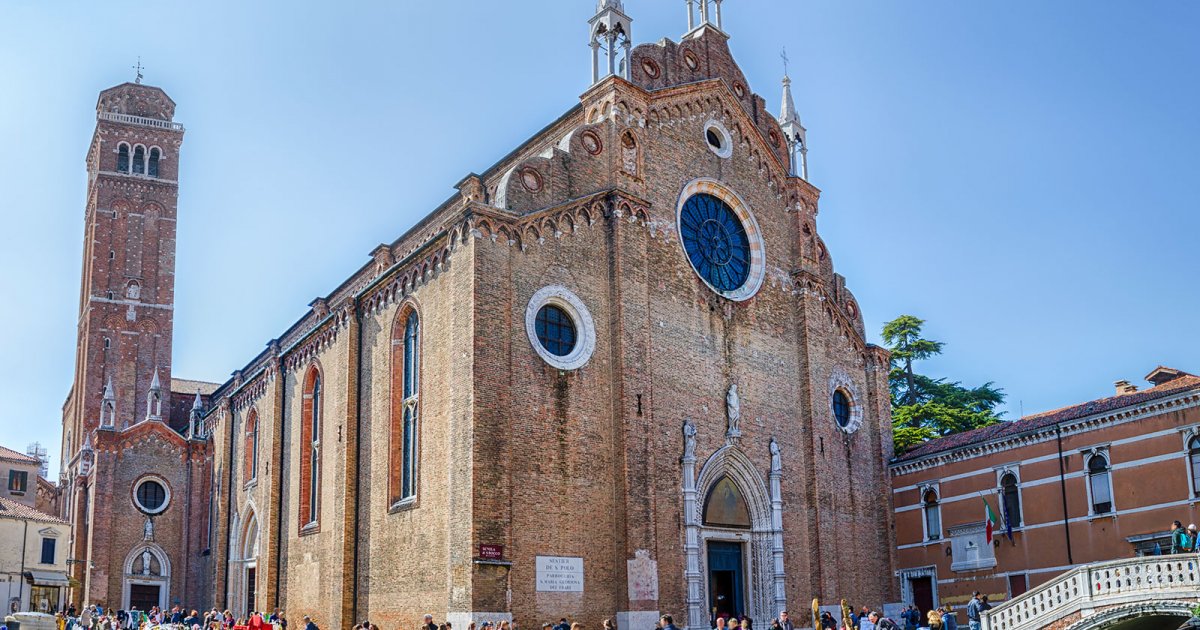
(725, 506)
(139, 160)
(150, 496)
(629, 153)
(841, 408)
(310, 455)
(1194, 461)
(406, 366)
(123, 158)
(715, 241)
(152, 166)
(1099, 483)
(555, 330)
(251, 446)
(1011, 499)
(933, 515)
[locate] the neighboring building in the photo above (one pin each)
(1096, 481)
(33, 558)
(135, 480)
(19, 472)
(614, 375)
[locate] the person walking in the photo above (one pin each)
(668, 622)
(1179, 538)
(935, 619)
(784, 622)
(949, 618)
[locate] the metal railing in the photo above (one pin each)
(1087, 588)
(139, 120)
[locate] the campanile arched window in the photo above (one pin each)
(406, 388)
(310, 451)
(123, 158)
(1100, 483)
(152, 165)
(139, 160)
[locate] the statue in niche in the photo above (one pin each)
(689, 439)
(148, 530)
(733, 409)
(146, 561)
(776, 463)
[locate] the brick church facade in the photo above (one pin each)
(615, 374)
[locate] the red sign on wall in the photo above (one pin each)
(491, 552)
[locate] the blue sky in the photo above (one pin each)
(1021, 174)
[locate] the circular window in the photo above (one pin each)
(560, 328)
(531, 180)
(841, 408)
(718, 139)
(151, 496)
(650, 68)
(690, 59)
(555, 330)
(721, 239)
(591, 142)
(739, 89)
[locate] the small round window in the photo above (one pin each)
(151, 496)
(560, 328)
(555, 330)
(841, 408)
(718, 139)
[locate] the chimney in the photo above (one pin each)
(1125, 387)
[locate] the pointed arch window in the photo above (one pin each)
(933, 515)
(139, 160)
(1010, 495)
(152, 164)
(310, 452)
(725, 506)
(406, 389)
(251, 446)
(123, 158)
(1194, 462)
(1100, 484)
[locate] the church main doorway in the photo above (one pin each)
(726, 579)
(143, 596)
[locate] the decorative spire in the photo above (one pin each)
(710, 14)
(108, 405)
(197, 404)
(611, 30)
(154, 399)
(789, 122)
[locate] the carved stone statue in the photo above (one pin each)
(689, 439)
(776, 463)
(146, 560)
(148, 530)
(733, 409)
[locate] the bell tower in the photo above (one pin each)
(611, 30)
(127, 293)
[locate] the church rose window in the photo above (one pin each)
(151, 496)
(555, 330)
(721, 239)
(716, 242)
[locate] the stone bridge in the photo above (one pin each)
(1146, 593)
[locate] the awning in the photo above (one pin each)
(47, 578)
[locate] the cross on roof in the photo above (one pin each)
(139, 69)
(783, 55)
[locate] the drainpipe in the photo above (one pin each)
(229, 501)
(357, 523)
(280, 532)
(1062, 485)
(21, 578)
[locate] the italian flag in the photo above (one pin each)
(990, 517)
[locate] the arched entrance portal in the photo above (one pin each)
(147, 580)
(243, 587)
(734, 545)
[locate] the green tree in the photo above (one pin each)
(924, 407)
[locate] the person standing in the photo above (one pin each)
(784, 622)
(882, 623)
(668, 623)
(974, 610)
(949, 618)
(308, 623)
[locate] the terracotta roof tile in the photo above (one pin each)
(1050, 418)
(14, 456)
(12, 509)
